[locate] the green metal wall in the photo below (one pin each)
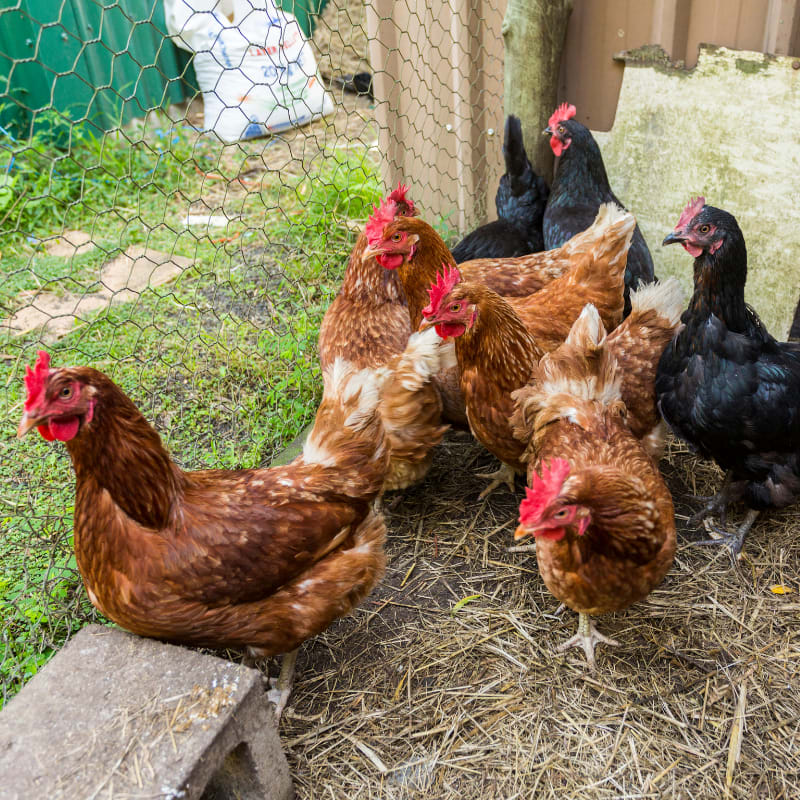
(96, 61)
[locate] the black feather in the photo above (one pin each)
(794, 331)
(521, 199)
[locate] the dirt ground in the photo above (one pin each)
(446, 683)
(422, 694)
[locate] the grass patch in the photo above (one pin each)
(222, 360)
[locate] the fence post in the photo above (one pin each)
(534, 32)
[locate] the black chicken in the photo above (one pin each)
(579, 188)
(521, 199)
(724, 384)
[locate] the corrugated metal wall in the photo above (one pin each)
(440, 64)
(599, 29)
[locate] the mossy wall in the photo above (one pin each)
(730, 130)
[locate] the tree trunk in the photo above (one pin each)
(534, 33)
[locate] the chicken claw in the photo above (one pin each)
(716, 504)
(733, 541)
(505, 475)
(282, 688)
(587, 637)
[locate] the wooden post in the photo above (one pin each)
(534, 32)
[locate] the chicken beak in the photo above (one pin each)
(674, 237)
(547, 131)
(520, 533)
(371, 252)
(426, 324)
(26, 423)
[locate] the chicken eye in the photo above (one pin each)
(561, 514)
(65, 393)
(561, 129)
(396, 237)
(455, 308)
(704, 228)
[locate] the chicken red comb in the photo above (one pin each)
(543, 491)
(36, 378)
(693, 208)
(561, 114)
(381, 216)
(445, 281)
(399, 197)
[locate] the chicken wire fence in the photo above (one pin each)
(195, 271)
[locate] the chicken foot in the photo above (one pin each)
(716, 504)
(505, 475)
(587, 637)
(733, 541)
(282, 686)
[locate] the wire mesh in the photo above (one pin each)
(192, 271)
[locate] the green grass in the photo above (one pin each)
(222, 360)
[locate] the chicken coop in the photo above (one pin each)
(194, 267)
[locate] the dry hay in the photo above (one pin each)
(414, 696)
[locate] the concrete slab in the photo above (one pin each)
(727, 130)
(116, 715)
(293, 449)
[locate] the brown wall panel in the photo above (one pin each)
(439, 78)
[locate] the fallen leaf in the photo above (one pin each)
(779, 588)
(463, 601)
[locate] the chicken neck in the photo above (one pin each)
(496, 357)
(122, 453)
(581, 175)
(369, 282)
(719, 280)
(417, 274)
(498, 344)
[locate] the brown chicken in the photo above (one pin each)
(497, 347)
(259, 559)
(368, 324)
(601, 514)
(417, 252)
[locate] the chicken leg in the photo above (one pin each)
(587, 637)
(279, 693)
(717, 504)
(733, 541)
(505, 475)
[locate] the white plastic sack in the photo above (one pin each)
(257, 73)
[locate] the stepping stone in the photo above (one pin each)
(116, 715)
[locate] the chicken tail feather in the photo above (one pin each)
(329, 589)
(347, 433)
(411, 407)
(666, 298)
(580, 371)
